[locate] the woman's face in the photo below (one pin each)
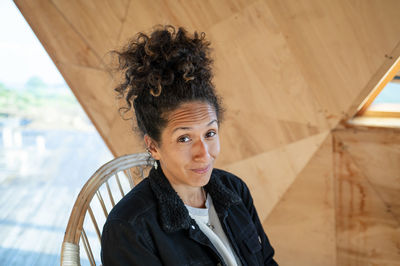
(189, 145)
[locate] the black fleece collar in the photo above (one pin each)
(173, 213)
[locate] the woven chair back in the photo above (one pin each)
(98, 196)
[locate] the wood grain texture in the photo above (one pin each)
(279, 132)
(338, 45)
(367, 232)
(260, 84)
(98, 23)
(302, 225)
(376, 153)
(255, 70)
(192, 14)
(270, 174)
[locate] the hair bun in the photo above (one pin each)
(154, 63)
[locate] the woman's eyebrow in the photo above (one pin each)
(189, 128)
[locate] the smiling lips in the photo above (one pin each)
(201, 170)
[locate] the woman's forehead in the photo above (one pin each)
(191, 113)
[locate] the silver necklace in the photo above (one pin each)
(212, 227)
(209, 225)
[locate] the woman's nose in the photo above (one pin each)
(200, 151)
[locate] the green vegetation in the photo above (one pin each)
(45, 106)
(36, 94)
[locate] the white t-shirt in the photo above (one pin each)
(214, 231)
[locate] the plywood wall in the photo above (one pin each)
(289, 72)
(302, 225)
(367, 196)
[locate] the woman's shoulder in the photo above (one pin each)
(138, 202)
(230, 180)
(226, 176)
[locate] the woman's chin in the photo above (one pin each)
(200, 180)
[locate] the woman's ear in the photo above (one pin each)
(151, 146)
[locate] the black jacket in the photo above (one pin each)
(151, 226)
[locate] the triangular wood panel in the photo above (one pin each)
(270, 174)
(302, 224)
(280, 133)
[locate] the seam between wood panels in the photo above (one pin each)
(293, 51)
(334, 183)
(78, 33)
(370, 184)
(299, 173)
(123, 21)
(209, 29)
(285, 120)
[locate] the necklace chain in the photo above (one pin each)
(209, 225)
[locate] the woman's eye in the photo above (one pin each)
(211, 134)
(184, 139)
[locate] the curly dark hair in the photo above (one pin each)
(162, 71)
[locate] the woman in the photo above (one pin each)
(185, 212)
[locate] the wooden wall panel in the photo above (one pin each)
(280, 132)
(99, 23)
(376, 153)
(367, 231)
(287, 111)
(301, 227)
(255, 65)
(270, 174)
(338, 45)
(192, 14)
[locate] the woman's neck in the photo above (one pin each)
(193, 197)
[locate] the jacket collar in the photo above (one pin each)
(173, 214)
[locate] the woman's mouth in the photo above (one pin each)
(202, 170)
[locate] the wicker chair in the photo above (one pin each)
(122, 172)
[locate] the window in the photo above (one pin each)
(382, 107)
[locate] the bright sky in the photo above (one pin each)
(21, 54)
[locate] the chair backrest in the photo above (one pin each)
(111, 179)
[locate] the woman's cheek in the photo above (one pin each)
(215, 148)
